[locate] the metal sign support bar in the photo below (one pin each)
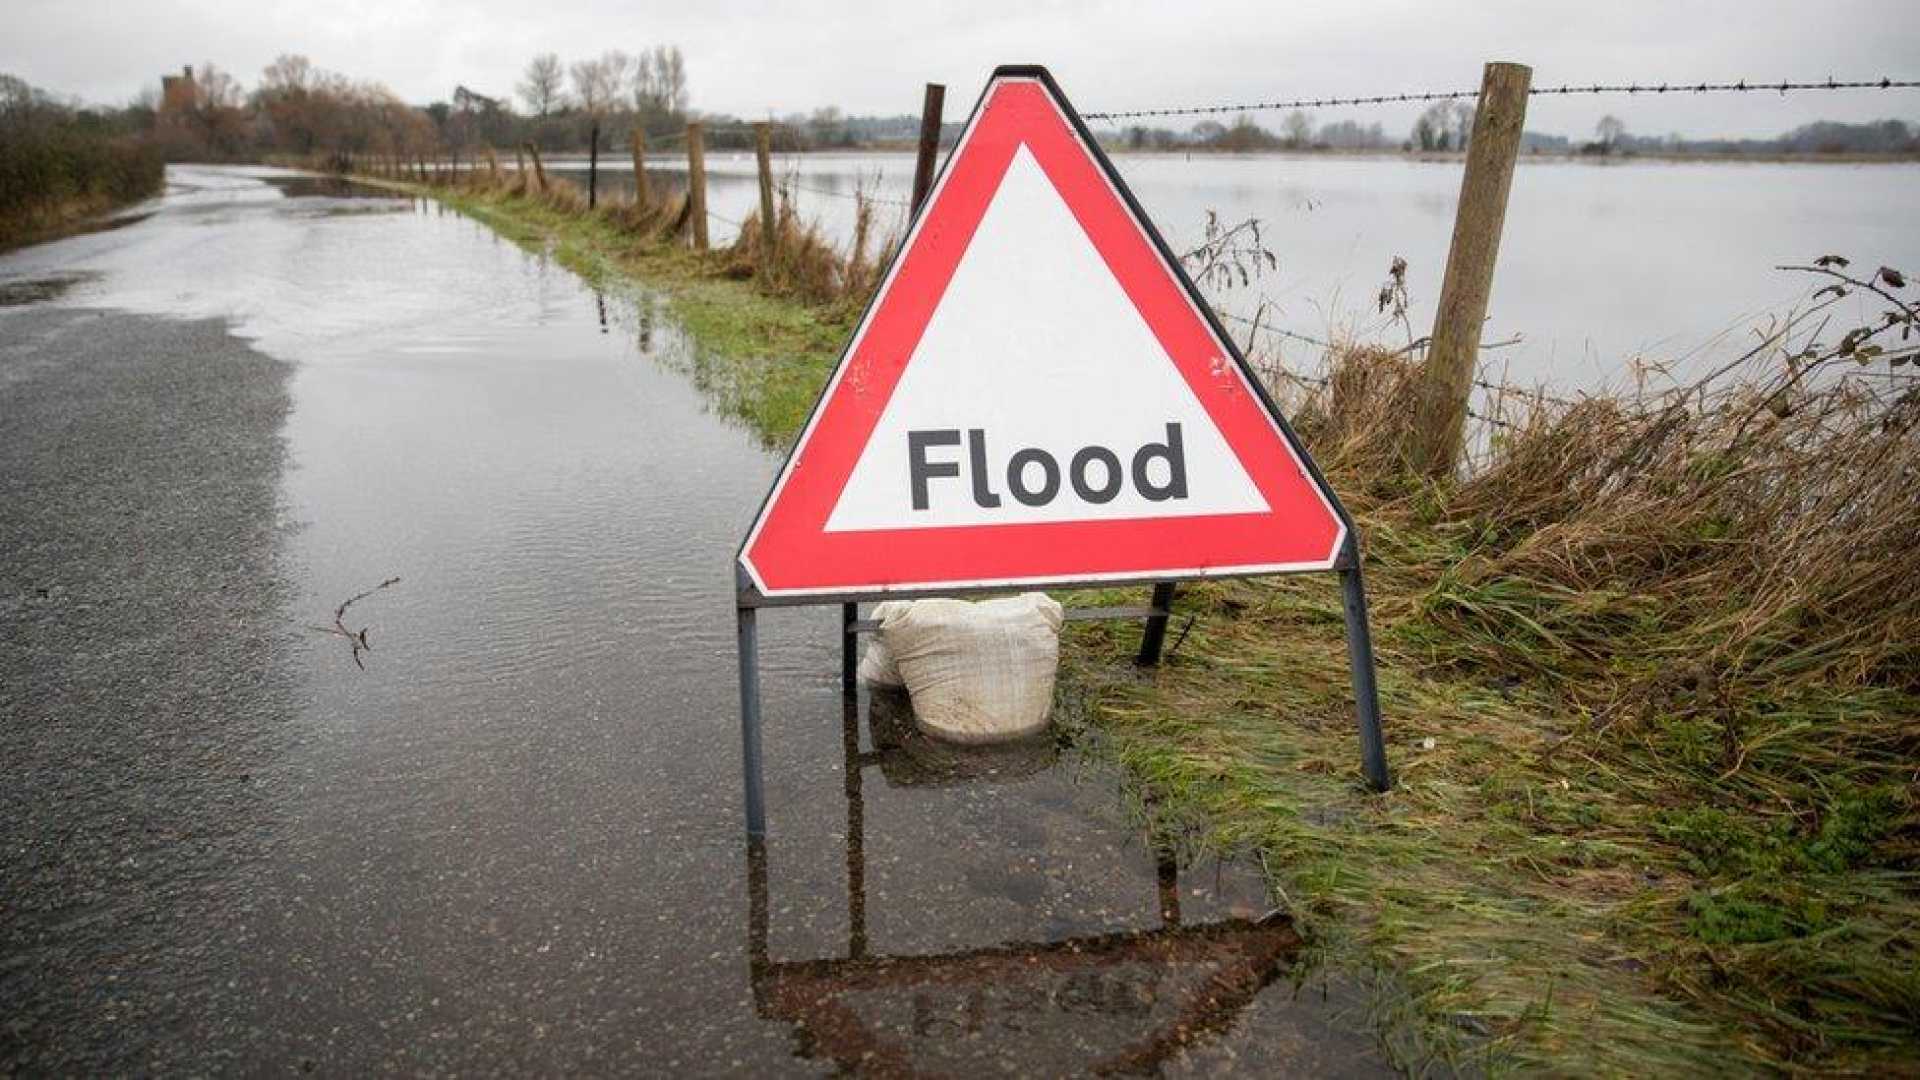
(750, 769)
(1366, 693)
(1373, 750)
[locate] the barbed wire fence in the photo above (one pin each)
(1500, 392)
(1565, 89)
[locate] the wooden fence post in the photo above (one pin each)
(697, 182)
(593, 166)
(1452, 356)
(763, 153)
(642, 197)
(932, 109)
(539, 171)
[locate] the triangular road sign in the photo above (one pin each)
(1037, 395)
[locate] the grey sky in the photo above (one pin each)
(749, 57)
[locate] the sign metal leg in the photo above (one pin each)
(1373, 746)
(851, 772)
(750, 725)
(849, 647)
(759, 960)
(1156, 632)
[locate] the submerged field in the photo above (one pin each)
(1650, 671)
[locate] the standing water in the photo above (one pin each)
(505, 835)
(1600, 265)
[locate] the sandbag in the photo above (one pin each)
(976, 672)
(877, 667)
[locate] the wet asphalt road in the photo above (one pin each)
(142, 677)
(511, 843)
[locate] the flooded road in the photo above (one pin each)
(512, 840)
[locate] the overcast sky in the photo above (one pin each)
(747, 57)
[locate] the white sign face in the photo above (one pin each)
(995, 420)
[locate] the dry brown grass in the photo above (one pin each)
(803, 263)
(1651, 665)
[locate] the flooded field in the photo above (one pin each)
(506, 837)
(1601, 264)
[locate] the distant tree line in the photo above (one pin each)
(1821, 137)
(298, 109)
(1448, 126)
(60, 161)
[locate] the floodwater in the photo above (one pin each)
(1600, 265)
(506, 837)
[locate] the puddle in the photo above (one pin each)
(20, 292)
(329, 187)
(1176, 993)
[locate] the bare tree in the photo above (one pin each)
(1434, 129)
(542, 87)
(1462, 114)
(1298, 129)
(597, 86)
(660, 83)
(1610, 129)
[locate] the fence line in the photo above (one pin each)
(1741, 86)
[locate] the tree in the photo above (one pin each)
(1208, 131)
(1610, 129)
(1461, 113)
(660, 86)
(1424, 136)
(1433, 131)
(542, 86)
(597, 84)
(1298, 127)
(285, 95)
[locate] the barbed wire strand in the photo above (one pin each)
(881, 199)
(1504, 389)
(1741, 86)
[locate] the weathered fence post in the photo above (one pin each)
(539, 171)
(932, 108)
(697, 182)
(642, 197)
(1434, 443)
(763, 153)
(593, 166)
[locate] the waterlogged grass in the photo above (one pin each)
(1547, 901)
(1616, 845)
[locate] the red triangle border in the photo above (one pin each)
(789, 553)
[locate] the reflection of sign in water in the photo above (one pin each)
(1119, 1002)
